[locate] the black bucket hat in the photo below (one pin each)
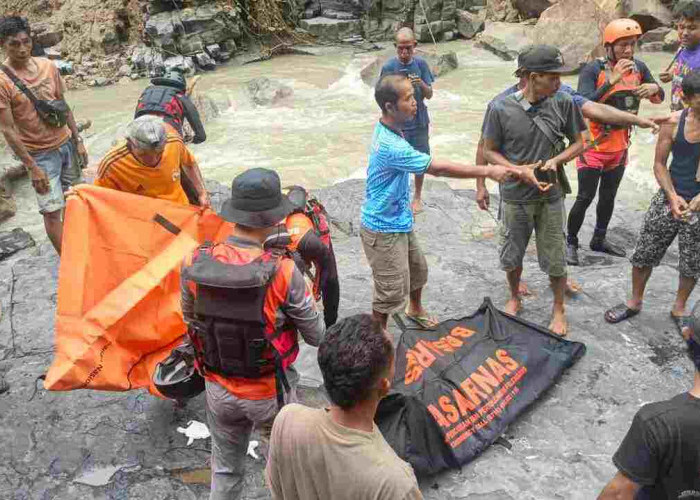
(256, 199)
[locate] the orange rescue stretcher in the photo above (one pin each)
(118, 311)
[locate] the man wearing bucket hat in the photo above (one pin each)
(660, 455)
(245, 304)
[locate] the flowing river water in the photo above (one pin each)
(321, 134)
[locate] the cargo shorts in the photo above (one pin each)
(398, 267)
(62, 172)
(659, 229)
(546, 218)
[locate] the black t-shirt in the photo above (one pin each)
(661, 450)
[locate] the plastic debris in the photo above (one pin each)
(252, 445)
(194, 430)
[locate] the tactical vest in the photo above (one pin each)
(162, 101)
(230, 333)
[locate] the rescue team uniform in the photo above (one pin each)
(390, 245)
(415, 131)
(174, 106)
(51, 148)
(660, 228)
(688, 60)
(244, 307)
(318, 250)
(604, 163)
(120, 170)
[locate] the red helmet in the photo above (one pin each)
(621, 28)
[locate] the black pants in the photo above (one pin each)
(588, 181)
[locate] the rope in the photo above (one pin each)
(430, 30)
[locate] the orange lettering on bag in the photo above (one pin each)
(449, 409)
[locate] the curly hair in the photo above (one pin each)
(354, 354)
(688, 9)
(13, 25)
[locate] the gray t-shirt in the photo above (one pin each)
(522, 142)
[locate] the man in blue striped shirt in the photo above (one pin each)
(398, 265)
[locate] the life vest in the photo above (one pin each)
(162, 101)
(230, 332)
(608, 137)
(313, 218)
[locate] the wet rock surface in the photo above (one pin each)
(127, 444)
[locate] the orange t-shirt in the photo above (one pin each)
(120, 170)
(44, 80)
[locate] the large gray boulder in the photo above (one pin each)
(329, 29)
(506, 40)
(575, 27)
(469, 24)
(651, 14)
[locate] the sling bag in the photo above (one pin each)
(556, 139)
(54, 113)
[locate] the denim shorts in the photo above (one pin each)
(62, 171)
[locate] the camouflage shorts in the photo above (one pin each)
(659, 229)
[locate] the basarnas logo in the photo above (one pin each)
(422, 355)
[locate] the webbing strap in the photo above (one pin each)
(117, 303)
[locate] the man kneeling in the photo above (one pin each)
(339, 452)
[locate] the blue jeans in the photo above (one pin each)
(62, 172)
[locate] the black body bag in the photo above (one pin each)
(458, 387)
(54, 113)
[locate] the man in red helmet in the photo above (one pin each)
(622, 81)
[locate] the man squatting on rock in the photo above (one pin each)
(415, 131)
(338, 452)
(595, 111)
(660, 455)
(46, 150)
(390, 245)
(524, 128)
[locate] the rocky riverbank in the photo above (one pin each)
(98, 43)
(88, 444)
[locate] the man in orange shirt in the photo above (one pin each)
(149, 163)
(45, 149)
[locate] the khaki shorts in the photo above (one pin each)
(398, 267)
(547, 220)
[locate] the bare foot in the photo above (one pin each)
(513, 306)
(417, 206)
(572, 288)
(523, 290)
(558, 325)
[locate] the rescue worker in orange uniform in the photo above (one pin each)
(622, 81)
(245, 303)
(311, 241)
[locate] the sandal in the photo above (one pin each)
(620, 313)
(424, 320)
(683, 322)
